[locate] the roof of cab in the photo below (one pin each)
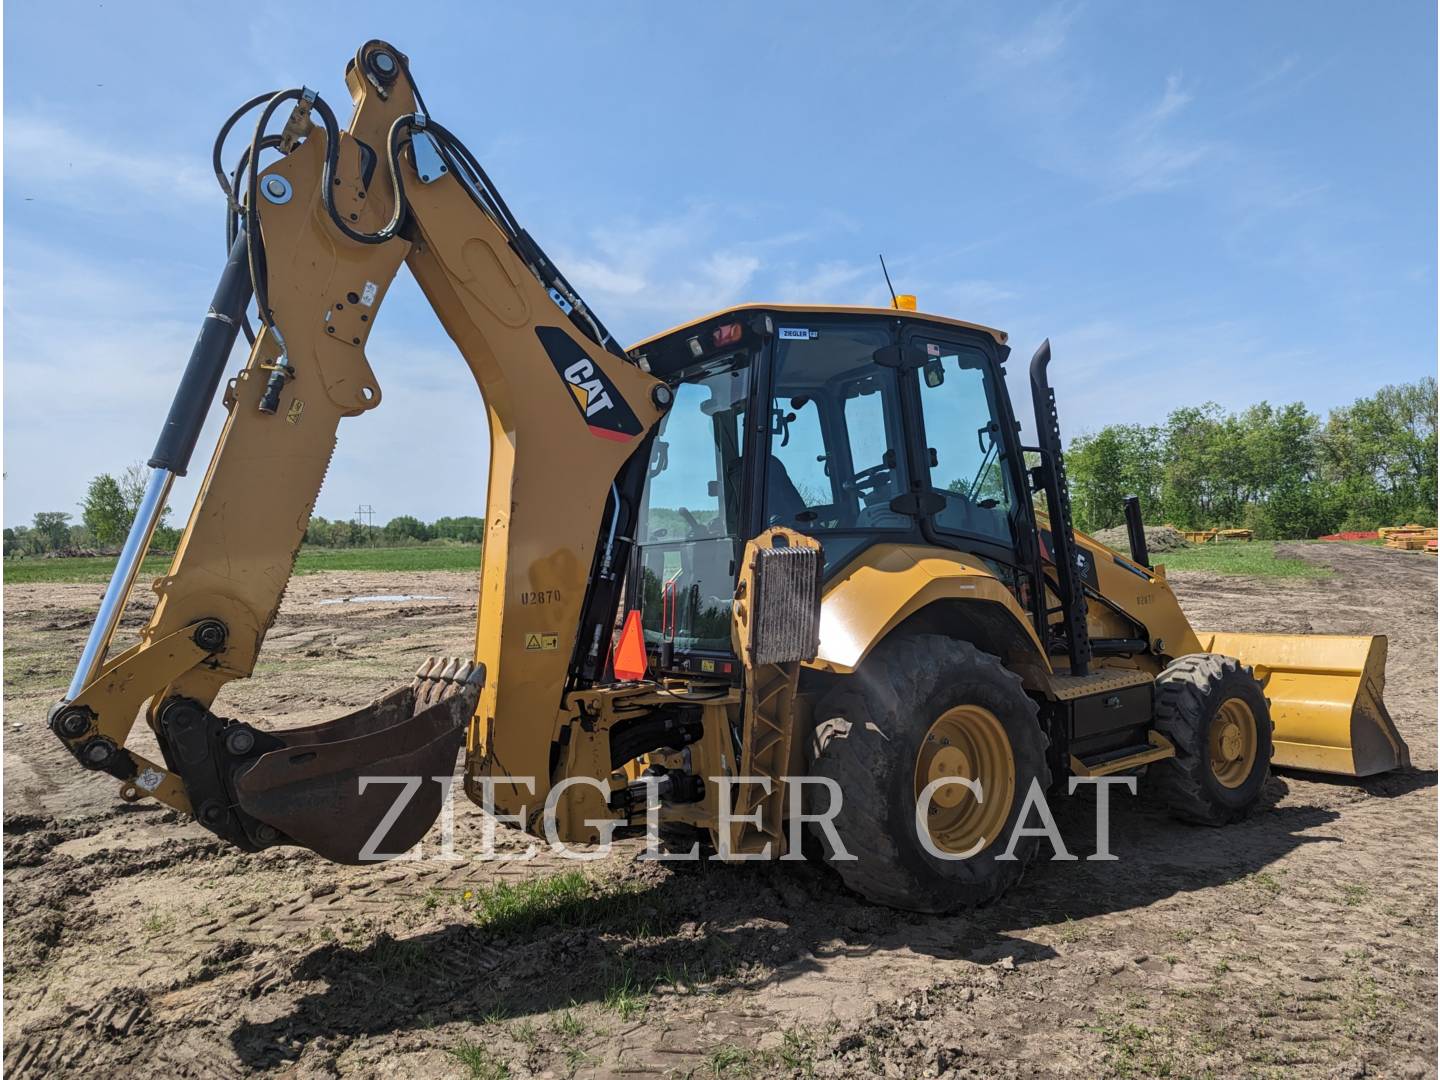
(825, 309)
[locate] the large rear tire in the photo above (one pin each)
(1213, 710)
(921, 709)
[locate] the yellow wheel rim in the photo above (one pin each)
(1233, 743)
(967, 741)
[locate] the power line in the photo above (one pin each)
(365, 519)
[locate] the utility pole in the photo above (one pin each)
(365, 518)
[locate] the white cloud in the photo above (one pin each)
(833, 282)
(1057, 110)
(93, 352)
(1276, 72)
(642, 276)
(1148, 154)
(47, 160)
(1120, 369)
(91, 362)
(1171, 102)
(1043, 38)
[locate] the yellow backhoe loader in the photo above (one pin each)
(816, 524)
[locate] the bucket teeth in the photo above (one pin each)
(440, 679)
(422, 672)
(462, 676)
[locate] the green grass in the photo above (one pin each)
(528, 904)
(157, 922)
(626, 995)
(1132, 1049)
(568, 1024)
(311, 561)
(1255, 558)
(482, 1063)
(568, 899)
(1265, 883)
(797, 1055)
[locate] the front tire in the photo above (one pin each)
(921, 709)
(1213, 710)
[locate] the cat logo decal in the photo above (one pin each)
(604, 411)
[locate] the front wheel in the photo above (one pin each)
(921, 711)
(1213, 710)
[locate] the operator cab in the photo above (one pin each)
(857, 426)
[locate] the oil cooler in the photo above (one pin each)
(785, 600)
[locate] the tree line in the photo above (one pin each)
(111, 503)
(109, 507)
(397, 532)
(1282, 471)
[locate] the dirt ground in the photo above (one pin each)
(1301, 942)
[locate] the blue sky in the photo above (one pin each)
(1221, 202)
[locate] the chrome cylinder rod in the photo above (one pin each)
(173, 449)
(142, 530)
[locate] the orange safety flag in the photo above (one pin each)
(630, 658)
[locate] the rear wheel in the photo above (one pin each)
(1213, 710)
(921, 711)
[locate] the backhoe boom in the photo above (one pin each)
(322, 232)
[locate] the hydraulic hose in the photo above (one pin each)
(244, 218)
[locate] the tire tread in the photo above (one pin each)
(1182, 707)
(847, 745)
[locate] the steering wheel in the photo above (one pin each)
(696, 527)
(867, 483)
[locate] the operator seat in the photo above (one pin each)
(782, 498)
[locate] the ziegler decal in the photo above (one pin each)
(604, 411)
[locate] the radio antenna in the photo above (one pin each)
(894, 300)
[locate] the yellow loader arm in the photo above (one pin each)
(320, 234)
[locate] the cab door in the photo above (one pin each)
(965, 442)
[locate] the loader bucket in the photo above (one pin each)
(1326, 699)
(368, 786)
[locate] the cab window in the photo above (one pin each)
(959, 398)
(799, 447)
(687, 536)
(835, 434)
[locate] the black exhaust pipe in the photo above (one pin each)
(1062, 524)
(1135, 527)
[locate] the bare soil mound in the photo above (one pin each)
(1157, 538)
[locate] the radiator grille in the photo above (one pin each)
(785, 624)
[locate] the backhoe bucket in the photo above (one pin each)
(1326, 699)
(368, 786)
